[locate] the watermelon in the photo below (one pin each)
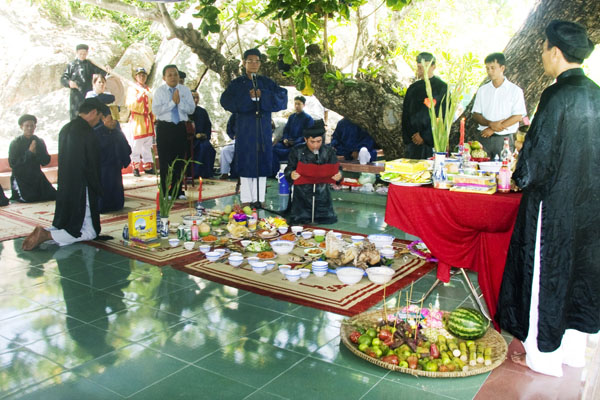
(467, 323)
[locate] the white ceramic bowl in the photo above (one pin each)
(319, 265)
(319, 273)
(221, 251)
(380, 240)
(188, 245)
(297, 229)
(245, 243)
(235, 261)
(490, 166)
(173, 242)
(213, 256)
(319, 232)
(282, 247)
(380, 275)
(304, 272)
(292, 275)
(282, 229)
(357, 238)
(338, 235)
(235, 253)
(349, 275)
(284, 268)
(205, 248)
(188, 220)
(259, 267)
(253, 260)
(387, 253)
(270, 264)
(307, 235)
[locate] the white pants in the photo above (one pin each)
(142, 148)
(227, 157)
(573, 345)
(63, 238)
(248, 189)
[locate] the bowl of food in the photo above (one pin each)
(235, 261)
(380, 275)
(245, 243)
(253, 260)
(380, 240)
(204, 248)
(304, 272)
(292, 275)
(282, 229)
(259, 267)
(307, 234)
(313, 252)
(387, 253)
(270, 264)
(284, 268)
(189, 220)
(282, 247)
(213, 256)
(349, 275)
(319, 235)
(173, 242)
(338, 235)
(297, 229)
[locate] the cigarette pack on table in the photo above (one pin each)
(142, 224)
(406, 166)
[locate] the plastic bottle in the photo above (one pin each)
(253, 221)
(195, 236)
(506, 154)
(284, 187)
(504, 178)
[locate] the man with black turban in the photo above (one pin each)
(550, 294)
(309, 198)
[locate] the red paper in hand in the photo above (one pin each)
(316, 173)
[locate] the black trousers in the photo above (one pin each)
(171, 143)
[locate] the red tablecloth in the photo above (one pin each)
(462, 230)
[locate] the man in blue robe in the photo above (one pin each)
(253, 148)
(204, 152)
(348, 139)
(292, 133)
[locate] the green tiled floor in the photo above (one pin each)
(81, 323)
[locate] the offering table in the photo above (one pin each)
(463, 230)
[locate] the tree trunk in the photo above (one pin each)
(524, 52)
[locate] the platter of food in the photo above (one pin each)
(402, 183)
(258, 246)
(209, 238)
(266, 255)
(431, 352)
(306, 243)
(267, 234)
(288, 236)
(419, 249)
(313, 252)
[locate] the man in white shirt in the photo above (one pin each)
(499, 107)
(172, 103)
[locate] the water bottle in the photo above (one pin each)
(506, 154)
(504, 178)
(284, 187)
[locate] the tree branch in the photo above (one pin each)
(116, 5)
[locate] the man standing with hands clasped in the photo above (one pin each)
(171, 105)
(550, 293)
(499, 107)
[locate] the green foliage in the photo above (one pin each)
(371, 71)
(338, 77)
(210, 17)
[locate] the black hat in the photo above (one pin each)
(251, 52)
(318, 129)
(571, 38)
(182, 74)
(140, 70)
(81, 46)
(27, 117)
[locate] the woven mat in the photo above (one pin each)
(19, 219)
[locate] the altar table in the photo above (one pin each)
(463, 230)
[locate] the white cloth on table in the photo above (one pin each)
(572, 349)
(227, 153)
(63, 238)
(499, 103)
(248, 189)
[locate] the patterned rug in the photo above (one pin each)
(326, 293)
(19, 219)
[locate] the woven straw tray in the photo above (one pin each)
(491, 339)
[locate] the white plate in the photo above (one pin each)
(400, 183)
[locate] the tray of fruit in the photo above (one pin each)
(438, 352)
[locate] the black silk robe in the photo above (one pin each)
(415, 116)
(559, 166)
(26, 169)
(300, 210)
(78, 170)
(80, 72)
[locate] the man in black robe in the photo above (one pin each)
(550, 293)
(312, 152)
(416, 124)
(76, 215)
(3, 198)
(26, 154)
(78, 78)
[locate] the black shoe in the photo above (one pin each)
(150, 171)
(136, 172)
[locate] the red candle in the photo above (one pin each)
(158, 199)
(462, 132)
(200, 189)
